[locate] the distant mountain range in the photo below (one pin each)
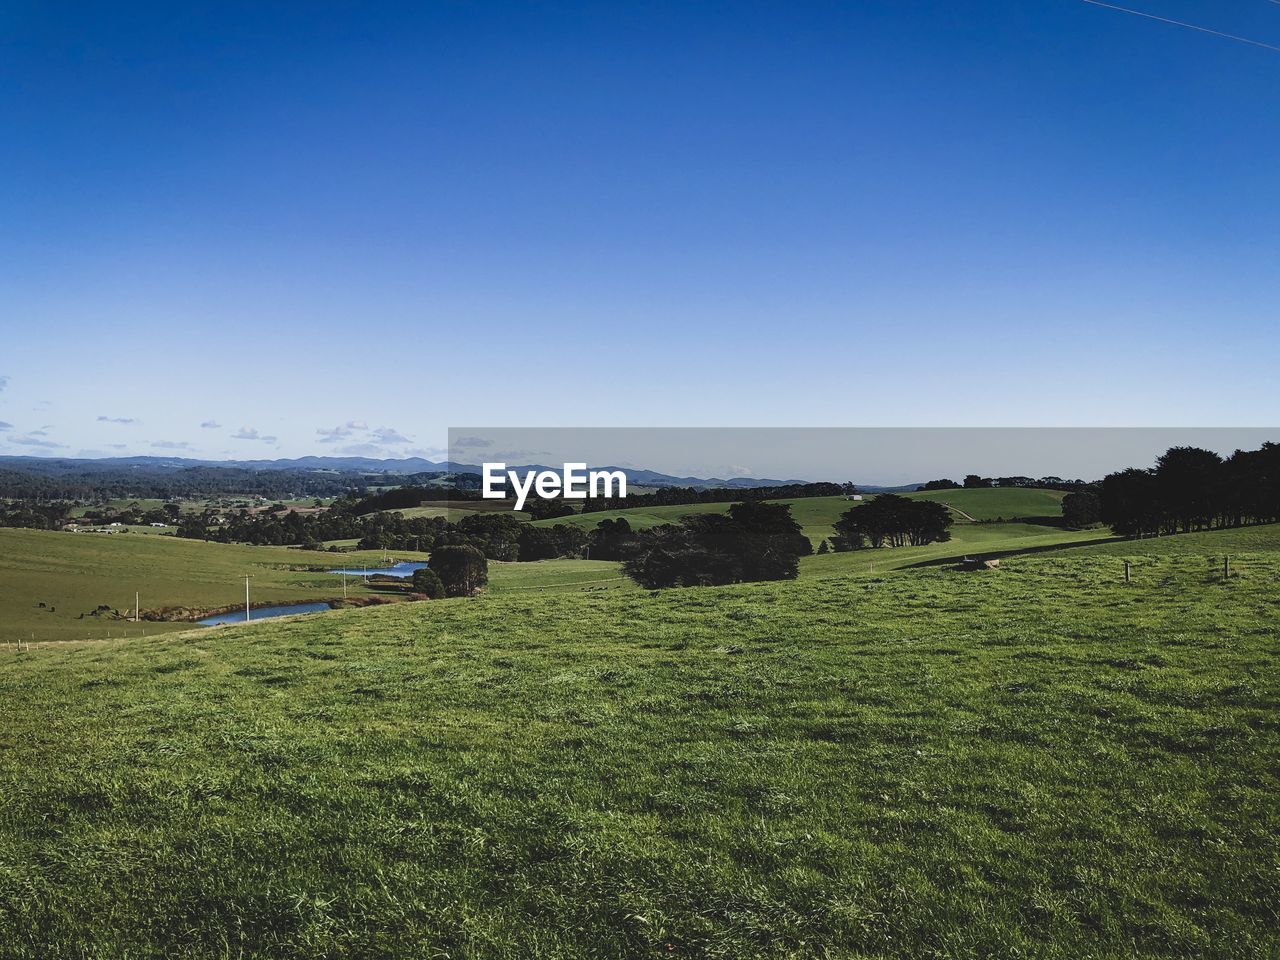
(404, 467)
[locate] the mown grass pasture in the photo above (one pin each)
(967, 539)
(814, 514)
(997, 503)
(72, 574)
(454, 511)
(817, 514)
(1038, 761)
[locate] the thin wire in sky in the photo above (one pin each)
(1189, 26)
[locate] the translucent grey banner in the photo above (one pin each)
(887, 457)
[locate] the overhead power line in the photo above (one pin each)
(1189, 26)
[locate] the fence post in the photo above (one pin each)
(1126, 571)
(1226, 568)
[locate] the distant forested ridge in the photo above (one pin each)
(83, 480)
(975, 481)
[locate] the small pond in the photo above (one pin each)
(262, 613)
(402, 570)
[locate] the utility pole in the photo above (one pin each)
(344, 584)
(246, 598)
(137, 611)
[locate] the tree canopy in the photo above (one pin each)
(753, 541)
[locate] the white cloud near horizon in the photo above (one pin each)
(387, 436)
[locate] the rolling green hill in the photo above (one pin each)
(967, 539)
(994, 503)
(816, 514)
(1039, 761)
(1210, 544)
(455, 511)
(73, 573)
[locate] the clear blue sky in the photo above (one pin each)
(287, 218)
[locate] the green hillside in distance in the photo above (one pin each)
(817, 514)
(997, 502)
(902, 766)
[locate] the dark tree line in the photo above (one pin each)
(496, 534)
(675, 496)
(976, 482)
(1194, 489)
(753, 541)
(891, 520)
(33, 516)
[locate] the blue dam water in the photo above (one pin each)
(403, 570)
(263, 613)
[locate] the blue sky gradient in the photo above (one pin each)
(380, 220)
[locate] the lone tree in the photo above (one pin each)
(894, 521)
(427, 581)
(462, 569)
(1080, 510)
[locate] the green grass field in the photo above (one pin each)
(814, 514)
(1040, 761)
(967, 539)
(556, 576)
(72, 573)
(998, 502)
(1209, 544)
(817, 514)
(453, 512)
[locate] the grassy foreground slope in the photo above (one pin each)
(1038, 761)
(1212, 545)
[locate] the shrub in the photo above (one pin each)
(427, 581)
